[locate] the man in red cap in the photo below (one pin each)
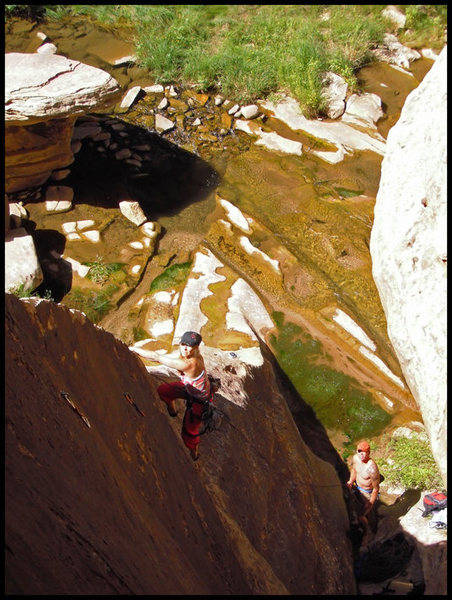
(365, 476)
(194, 386)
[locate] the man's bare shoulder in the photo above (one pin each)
(372, 468)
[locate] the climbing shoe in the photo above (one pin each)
(171, 413)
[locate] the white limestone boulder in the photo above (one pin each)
(334, 93)
(395, 15)
(43, 86)
(363, 109)
(163, 124)
(250, 112)
(154, 89)
(44, 95)
(133, 212)
(164, 103)
(130, 97)
(17, 213)
(408, 246)
(393, 52)
(47, 49)
(22, 267)
(59, 198)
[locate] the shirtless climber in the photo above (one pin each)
(365, 476)
(194, 385)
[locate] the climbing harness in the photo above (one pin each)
(208, 411)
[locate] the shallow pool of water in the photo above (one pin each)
(321, 214)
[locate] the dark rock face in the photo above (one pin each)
(119, 508)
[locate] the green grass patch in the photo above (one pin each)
(173, 276)
(21, 291)
(250, 51)
(409, 463)
(100, 272)
(338, 400)
(95, 304)
(425, 25)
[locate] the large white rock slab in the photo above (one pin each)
(48, 86)
(269, 139)
(408, 246)
(203, 274)
(344, 136)
(246, 312)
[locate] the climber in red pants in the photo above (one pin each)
(194, 386)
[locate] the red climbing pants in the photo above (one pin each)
(190, 427)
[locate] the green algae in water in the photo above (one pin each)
(346, 193)
(139, 334)
(171, 277)
(95, 304)
(339, 402)
(100, 271)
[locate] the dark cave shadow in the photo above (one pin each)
(169, 179)
(57, 271)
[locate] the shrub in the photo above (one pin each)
(410, 463)
(100, 271)
(425, 25)
(26, 11)
(95, 304)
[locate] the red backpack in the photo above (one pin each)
(434, 501)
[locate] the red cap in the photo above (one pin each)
(364, 446)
